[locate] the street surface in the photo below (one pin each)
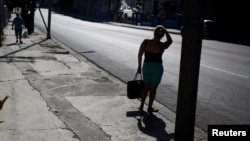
(223, 93)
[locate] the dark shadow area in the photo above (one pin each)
(87, 52)
(241, 40)
(227, 38)
(150, 124)
(11, 44)
(61, 52)
(232, 26)
(6, 55)
(17, 59)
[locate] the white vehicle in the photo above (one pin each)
(126, 11)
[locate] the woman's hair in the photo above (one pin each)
(159, 31)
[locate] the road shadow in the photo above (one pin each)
(150, 124)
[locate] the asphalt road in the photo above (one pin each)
(223, 93)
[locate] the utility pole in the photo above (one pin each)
(189, 70)
(110, 11)
(1, 21)
(49, 20)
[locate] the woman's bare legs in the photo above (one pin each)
(144, 95)
(152, 94)
(151, 89)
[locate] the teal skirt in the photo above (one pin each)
(152, 72)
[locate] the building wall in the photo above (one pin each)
(96, 8)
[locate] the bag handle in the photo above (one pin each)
(136, 76)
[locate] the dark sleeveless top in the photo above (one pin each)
(152, 57)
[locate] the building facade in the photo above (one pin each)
(102, 9)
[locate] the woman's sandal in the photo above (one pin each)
(150, 110)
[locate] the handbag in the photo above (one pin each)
(134, 87)
(25, 34)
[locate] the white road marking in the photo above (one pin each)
(214, 68)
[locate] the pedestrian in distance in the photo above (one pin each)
(152, 68)
(19, 24)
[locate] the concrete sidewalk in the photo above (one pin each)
(56, 94)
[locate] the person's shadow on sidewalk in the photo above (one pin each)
(150, 124)
(11, 44)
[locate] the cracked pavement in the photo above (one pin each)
(56, 94)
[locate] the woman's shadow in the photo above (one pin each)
(151, 125)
